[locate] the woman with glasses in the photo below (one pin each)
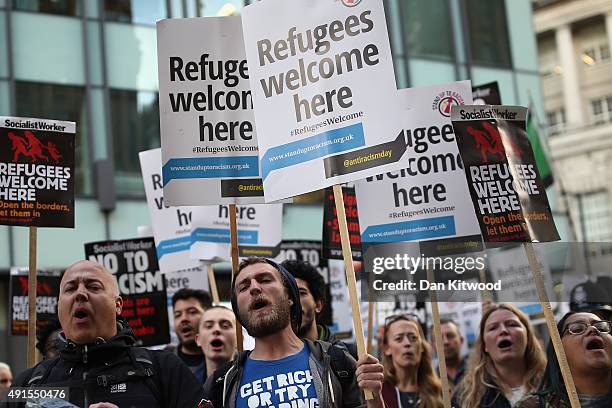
(506, 364)
(410, 380)
(588, 346)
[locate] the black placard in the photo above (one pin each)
(36, 173)
(332, 247)
(47, 294)
(142, 287)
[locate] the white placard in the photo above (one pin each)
(172, 234)
(429, 197)
(208, 138)
(323, 86)
(260, 229)
(512, 268)
(171, 225)
(341, 306)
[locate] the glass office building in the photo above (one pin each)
(94, 62)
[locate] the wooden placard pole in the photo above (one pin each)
(439, 341)
(552, 326)
(370, 314)
(347, 254)
(370, 324)
(234, 253)
(32, 283)
(486, 296)
(212, 282)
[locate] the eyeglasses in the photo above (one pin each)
(602, 326)
(389, 320)
(5, 380)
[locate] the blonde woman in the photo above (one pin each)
(506, 364)
(410, 380)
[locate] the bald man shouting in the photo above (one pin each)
(100, 365)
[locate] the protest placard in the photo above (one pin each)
(36, 172)
(341, 316)
(133, 264)
(510, 266)
(486, 94)
(259, 231)
(332, 247)
(322, 80)
(171, 225)
(36, 186)
(428, 199)
(47, 294)
(172, 232)
(208, 137)
(506, 189)
(508, 194)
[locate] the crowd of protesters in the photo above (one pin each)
(296, 361)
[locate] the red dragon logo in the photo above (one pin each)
(490, 142)
(42, 289)
(32, 148)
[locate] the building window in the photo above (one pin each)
(60, 102)
(135, 11)
(135, 117)
(556, 121)
(602, 110)
(597, 216)
(61, 7)
(488, 33)
(596, 54)
(428, 28)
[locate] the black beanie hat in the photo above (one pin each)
(289, 283)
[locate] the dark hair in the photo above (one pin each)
(552, 381)
(309, 274)
(447, 321)
(288, 282)
(187, 293)
(43, 333)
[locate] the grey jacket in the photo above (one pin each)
(335, 388)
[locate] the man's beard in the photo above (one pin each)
(308, 318)
(452, 356)
(190, 345)
(268, 323)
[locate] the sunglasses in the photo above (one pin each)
(577, 328)
(5, 380)
(389, 320)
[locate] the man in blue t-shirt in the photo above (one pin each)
(284, 371)
(273, 383)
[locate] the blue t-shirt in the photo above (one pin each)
(284, 383)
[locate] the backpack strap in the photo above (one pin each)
(41, 371)
(146, 364)
(341, 364)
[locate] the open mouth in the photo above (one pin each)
(259, 304)
(216, 344)
(80, 314)
(505, 343)
(595, 344)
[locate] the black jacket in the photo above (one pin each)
(492, 398)
(115, 371)
(326, 335)
(329, 365)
